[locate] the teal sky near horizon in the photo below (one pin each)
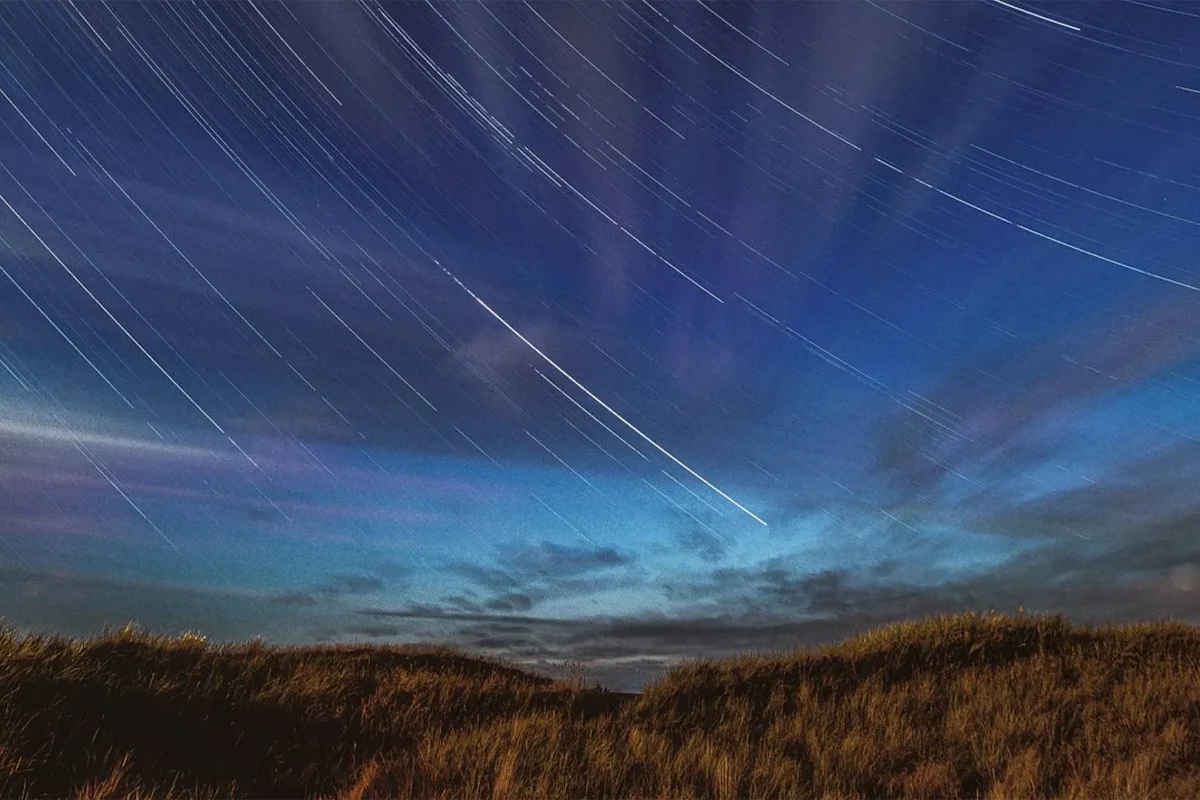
(620, 333)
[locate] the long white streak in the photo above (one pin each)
(889, 166)
(893, 517)
(1038, 16)
(599, 421)
(686, 277)
(372, 349)
(1121, 264)
(603, 404)
(1049, 238)
(89, 24)
(665, 124)
(1048, 176)
(244, 453)
(971, 205)
(626, 231)
(716, 224)
(301, 377)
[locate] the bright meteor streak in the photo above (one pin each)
(603, 404)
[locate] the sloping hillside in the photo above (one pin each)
(965, 705)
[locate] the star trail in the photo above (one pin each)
(621, 333)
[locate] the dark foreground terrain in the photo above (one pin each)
(961, 706)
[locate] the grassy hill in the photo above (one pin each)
(954, 706)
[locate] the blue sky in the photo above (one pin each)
(622, 333)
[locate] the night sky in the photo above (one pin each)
(614, 333)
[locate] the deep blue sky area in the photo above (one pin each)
(602, 332)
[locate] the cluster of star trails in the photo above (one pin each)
(267, 105)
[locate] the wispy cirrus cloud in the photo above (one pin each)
(1002, 416)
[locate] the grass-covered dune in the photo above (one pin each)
(954, 706)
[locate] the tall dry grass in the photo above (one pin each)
(953, 706)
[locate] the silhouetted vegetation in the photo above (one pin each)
(965, 705)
